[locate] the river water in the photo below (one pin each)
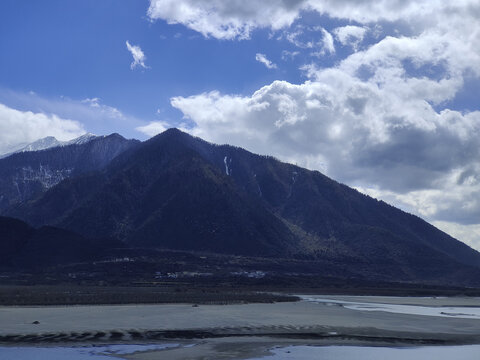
(109, 352)
(467, 352)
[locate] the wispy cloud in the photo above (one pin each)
(109, 111)
(326, 44)
(263, 59)
(289, 55)
(327, 40)
(138, 56)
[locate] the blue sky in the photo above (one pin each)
(382, 96)
(76, 49)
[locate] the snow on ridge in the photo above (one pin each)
(41, 144)
(51, 142)
(85, 138)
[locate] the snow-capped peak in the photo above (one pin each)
(41, 144)
(51, 142)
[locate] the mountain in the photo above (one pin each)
(178, 192)
(25, 247)
(27, 174)
(50, 142)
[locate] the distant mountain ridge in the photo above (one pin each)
(178, 192)
(50, 142)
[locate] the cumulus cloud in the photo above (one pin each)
(369, 122)
(379, 119)
(236, 19)
(222, 19)
(21, 127)
(138, 56)
(358, 133)
(351, 129)
(262, 58)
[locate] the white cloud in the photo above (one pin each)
(236, 19)
(20, 127)
(357, 125)
(96, 116)
(108, 111)
(359, 133)
(452, 208)
(295, 37)
(381, 130)
(469, 234)
(289, 55)
(376, 120)
(222, 19)
(327, 43)
(138, 56)
(263, 59)
(315, 39)
(350, 35)
(153, 128)
(93, 102)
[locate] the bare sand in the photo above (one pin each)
(237, 331)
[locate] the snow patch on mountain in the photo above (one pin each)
(85, 138)
(41, 144)
(44, 174)
(27, 177)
